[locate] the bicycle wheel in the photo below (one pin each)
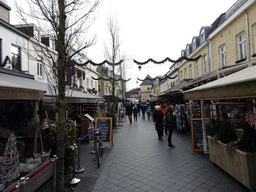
(101, 148)
(98, 153)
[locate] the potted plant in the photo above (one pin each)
(234, 150)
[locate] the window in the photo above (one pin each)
(194, 44)
(87, 82)
(254, 39)
(40, 69)
(52, 44)
(188, 52)
(190, 71)
(37, 34)
(181, 77)
(222, 56)
(91, 83)
(0, 51)
(197, 69)
(185, 73)
(16, 55)
(241, 44)
(202, 36)
(96, 85)
(81, 82)
(204, 64)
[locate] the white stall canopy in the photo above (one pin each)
(241, 84)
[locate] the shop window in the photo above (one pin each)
(223, 56)
(241, 44)
(16, 57)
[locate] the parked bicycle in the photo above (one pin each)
(98, 146)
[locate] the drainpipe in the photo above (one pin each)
(248, 37)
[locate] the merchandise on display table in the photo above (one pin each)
(213, 112)
(181, 118)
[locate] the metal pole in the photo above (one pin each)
(74, 180)
(79, 170)
(22, 184)
(54, 172)
(94, 147)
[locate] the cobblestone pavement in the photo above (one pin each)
(139, 162)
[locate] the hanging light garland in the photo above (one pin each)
(167, 60)
(99, 64)
(110, 79)
(166, 77)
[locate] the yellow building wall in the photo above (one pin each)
(203, 51)
(228, 36)
(145, 91)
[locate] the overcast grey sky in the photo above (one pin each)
(152, 29)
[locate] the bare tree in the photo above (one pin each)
(66, 21)
(111, 52)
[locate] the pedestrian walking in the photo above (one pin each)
(163, 108)
(129, 111)
(138, 108)
(135, 112)
(143, 110)
(169, 122)
(158, 121)
(148, 111)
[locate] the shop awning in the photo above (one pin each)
(15, 87)
(241, 84)
(14, 91)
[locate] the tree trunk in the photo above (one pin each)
(61, 103)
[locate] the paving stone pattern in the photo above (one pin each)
(140, 162)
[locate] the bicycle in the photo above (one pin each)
(98, 145)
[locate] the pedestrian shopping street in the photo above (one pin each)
(138, 161)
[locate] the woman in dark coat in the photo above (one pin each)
(158, 121)
(169, 123)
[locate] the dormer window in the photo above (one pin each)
(187, 50)
(37, 35)
(194, 44)
(202, 36)
(52, 44)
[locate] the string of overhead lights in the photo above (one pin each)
(99, 64)
(166, 77)
(110, 79)
(167, 60)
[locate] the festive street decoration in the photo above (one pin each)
(110, 79)
(166, 60)
(99, 64)
(9, 168)
(166, 77)
(249, 118)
